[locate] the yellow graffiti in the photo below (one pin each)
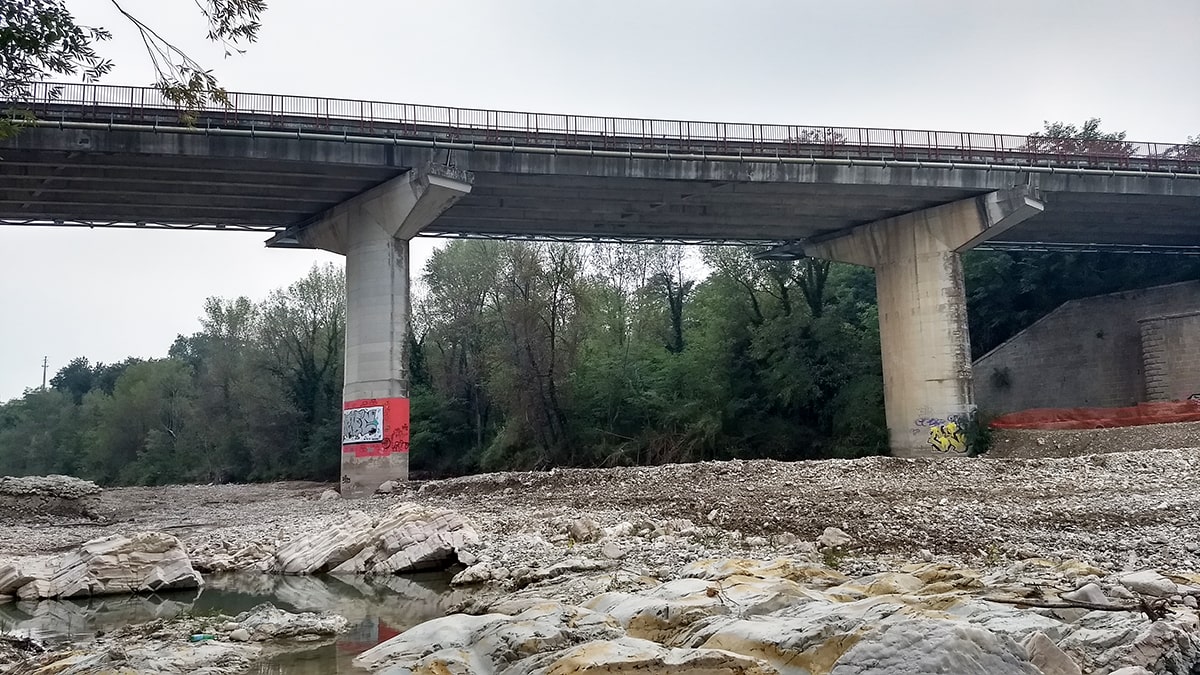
(948, 437)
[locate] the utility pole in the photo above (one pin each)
(45, 366)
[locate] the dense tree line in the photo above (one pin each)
(531, 355)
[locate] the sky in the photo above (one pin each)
(996, 66)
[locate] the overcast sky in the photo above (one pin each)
(946, 64)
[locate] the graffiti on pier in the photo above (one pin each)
(948, 437)
(362, 425)
(375, 427)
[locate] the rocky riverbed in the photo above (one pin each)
(1070, 565)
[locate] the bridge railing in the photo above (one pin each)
(146, 104)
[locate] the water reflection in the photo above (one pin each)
(377, 610)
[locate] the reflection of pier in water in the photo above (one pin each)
(377, 609)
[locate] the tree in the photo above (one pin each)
(74, 379)
(1062, 138)
(303, 333)
(41, 38)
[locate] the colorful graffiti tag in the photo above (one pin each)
(375, 427)
(362, 425)
(948, 437)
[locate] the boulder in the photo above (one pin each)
(1090, 593)
(410, 538)
(489, 643)
(833, 537)
(1046, 655)
(330, 494)
(139, 563)
(634, 656)
(920, 646)
(584, 530)
(1148, 582)
(268, 622)
(324, 550)
(12, 578)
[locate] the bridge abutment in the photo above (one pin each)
(373, 231)
(926, 348)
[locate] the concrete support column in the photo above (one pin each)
(928, 391)
(373, 230)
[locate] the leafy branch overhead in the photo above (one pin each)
(41, 39)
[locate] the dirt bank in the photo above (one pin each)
(1117, 510)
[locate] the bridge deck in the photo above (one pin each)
(120, 156)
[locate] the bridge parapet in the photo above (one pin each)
(146, 105)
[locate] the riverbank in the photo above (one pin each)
(1115, 510)
(705, 546)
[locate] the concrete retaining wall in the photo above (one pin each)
(1089, 353)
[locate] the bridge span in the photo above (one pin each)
(362, 178)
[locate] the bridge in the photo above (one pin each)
(362, 178)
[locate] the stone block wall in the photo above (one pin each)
(1086, 353)
(1171, 356)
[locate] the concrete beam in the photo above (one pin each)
(399, 208)
(956, 226)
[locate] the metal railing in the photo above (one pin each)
(113, 103)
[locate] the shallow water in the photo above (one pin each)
(377, 610)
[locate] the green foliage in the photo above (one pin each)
(41, 39)
(528, 356)
(1008, 290)
(1087, 139)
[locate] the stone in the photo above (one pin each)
(475, 574)
(622, 529)
(1132, 670)
(488, 643)
(139, 563)
(268, 622)
(1148, 582)
(584, 530)
(918, 646)
(1046, 655)
(324, 550)
(1090, 593)
(756, 542)
(330, 494)
(411, 538)
(239, 635)
(612, 551)
(1190, 601)
(631, 655)
(387, 487)
(833, 537)
(12, 578)
(784, 539)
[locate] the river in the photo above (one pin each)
(376, 609)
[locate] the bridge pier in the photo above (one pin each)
(928, 391)
(373, 231)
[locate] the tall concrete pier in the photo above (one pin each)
(373, 231)
(928, 394)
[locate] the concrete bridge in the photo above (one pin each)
(362, 178)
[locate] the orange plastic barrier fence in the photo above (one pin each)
(1100, 418)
